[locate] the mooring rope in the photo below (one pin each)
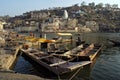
(75, 73)
(59, 77)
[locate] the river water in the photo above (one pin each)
(105, 67)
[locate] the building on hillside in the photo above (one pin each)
(92, 25)
(2, 23)
(50, 26)
(78, 13)
(69, 24)
(36, 14)
(84, 29)
(39, 15)
(28, 26)
(65, 15)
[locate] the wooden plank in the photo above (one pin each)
(79, 64)
(55, 64)
(85, 52)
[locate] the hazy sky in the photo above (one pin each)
(18, 7)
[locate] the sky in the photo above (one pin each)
(18, 7)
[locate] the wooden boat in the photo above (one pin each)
(115, 42)
(75, 51)
(54, 64)
(81, 53)
(89, 53)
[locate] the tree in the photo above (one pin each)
(107, 5)
(92, 4)
(83, 3)
(100, 5)
(76, 4)
(115, 6)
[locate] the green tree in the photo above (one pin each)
(107, 5)
(115, 6)
(92, 4)
(83, 3)
(100, 5)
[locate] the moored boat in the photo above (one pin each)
(89, 53)
(82, 53)
(57, 65)
(73, 52)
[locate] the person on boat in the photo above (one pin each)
(40, 35)
(79, 38)
(71, 38)
(78, 41)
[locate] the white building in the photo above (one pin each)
(1, 24)
(65, 16)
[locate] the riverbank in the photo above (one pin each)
(6, 62)
(8, 75)
(10, 44)
(7, 58)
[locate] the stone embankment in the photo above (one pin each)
(16, 76)
(9, 48)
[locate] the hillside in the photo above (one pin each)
(107, 18)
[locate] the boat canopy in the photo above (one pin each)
(31, 39)
(41, 40)
(65, 34)
(44, 40)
